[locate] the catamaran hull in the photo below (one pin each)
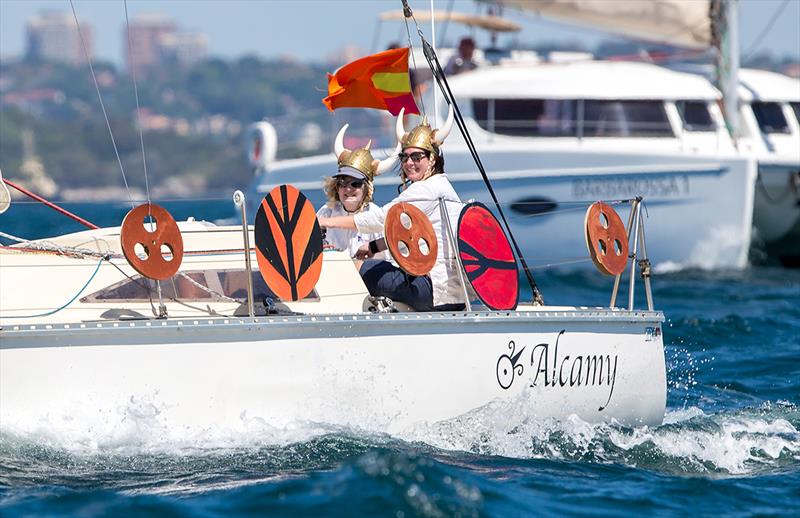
(545, 195)
(376, 372)
(776, 215)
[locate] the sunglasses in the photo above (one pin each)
(415, 156)
(355, 184)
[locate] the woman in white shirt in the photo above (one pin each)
(422, 164)
(350, 192)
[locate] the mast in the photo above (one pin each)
(725, 22)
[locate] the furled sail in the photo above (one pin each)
(684, 23)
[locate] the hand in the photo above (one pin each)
(323, 222)
(363, 252)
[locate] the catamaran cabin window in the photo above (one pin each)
(526, 117)
(204, 286)
(770, 117)
(695, 116)
(625, 119)
(570, 118)
(796, 110)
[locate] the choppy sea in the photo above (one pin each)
(729, 444)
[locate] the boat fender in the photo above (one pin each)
(5, 195)
(262, 145)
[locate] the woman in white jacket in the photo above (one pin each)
(422, 164)
(350, 191)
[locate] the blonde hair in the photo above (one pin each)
(331, 189)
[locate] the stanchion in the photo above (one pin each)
(239, 201)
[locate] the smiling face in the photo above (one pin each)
(351, 192)
(417, 163)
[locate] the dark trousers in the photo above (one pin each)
(387, 280)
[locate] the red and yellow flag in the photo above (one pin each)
(379, 81)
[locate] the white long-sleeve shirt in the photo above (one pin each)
(346, 239)
(425, 196)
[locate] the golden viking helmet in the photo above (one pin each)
(423, 136)
(361, 159)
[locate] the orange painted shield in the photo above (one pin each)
(288, 243)
(153, 231)
(606, 238)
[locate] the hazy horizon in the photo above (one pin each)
(303, 29)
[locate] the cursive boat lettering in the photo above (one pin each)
(591, 370)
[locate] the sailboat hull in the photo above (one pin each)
(377, 372)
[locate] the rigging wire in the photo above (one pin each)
(52, 312)
(766, 30)
(407, 12)
(138, 114)
(438, 74)
(100, 97)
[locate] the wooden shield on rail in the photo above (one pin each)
(288, 243)
(606, 238)
(411, 239)
(151, 241)
(487, 257)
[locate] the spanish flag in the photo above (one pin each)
(379, 81)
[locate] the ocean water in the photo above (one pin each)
(729, 445)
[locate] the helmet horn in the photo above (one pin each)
(338, 144)
(399, 128)
(387, 163)
(442, 133)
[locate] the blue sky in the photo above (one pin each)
(315, 29)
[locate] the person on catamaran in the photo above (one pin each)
(350, 192)
(422, 164)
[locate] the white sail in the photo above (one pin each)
(685, 23)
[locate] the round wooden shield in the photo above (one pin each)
(151, 241)
(411, 239)
(288, 243)
(487, 257)
(606, 238)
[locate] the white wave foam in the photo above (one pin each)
(737, 442)
(690, 441)
(140, 428)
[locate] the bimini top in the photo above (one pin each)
(763, 85)
(582, 80)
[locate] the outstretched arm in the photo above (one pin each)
(338, 222)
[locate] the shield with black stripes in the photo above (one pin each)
(487, 257)
(288, 243)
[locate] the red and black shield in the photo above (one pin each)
(288, 243)
(487, 257)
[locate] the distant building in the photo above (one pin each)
(54, 37)
(155, 42)
(142, 44)
(184, 48)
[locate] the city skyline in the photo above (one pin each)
(270, 28)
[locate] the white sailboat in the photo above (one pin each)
(170, 319)
(80, 329)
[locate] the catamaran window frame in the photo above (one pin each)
(689, 122)
(618, 118)
(218, 281)
(770, 117)
(795, 106)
